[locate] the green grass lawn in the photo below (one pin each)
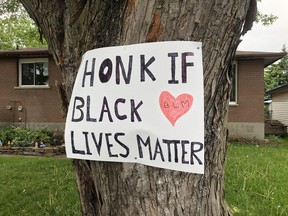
(256, 183)
(37, 186)
(256, 179)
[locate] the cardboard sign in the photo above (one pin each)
(139, 103)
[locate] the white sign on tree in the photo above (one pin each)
(140, 103)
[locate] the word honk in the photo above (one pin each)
(174, 108)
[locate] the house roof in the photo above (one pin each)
(268, 57)
(27, 52)
(279, 89)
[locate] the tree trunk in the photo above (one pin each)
(73, 27)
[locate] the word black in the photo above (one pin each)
(82, 110)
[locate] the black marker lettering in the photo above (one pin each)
(144, 68)
(74, 150)
(104, 78)
(105, 108)
(89, 73)
(119, 64)
(78, 107)
(186, 64)
(193, 151)
(173, 68)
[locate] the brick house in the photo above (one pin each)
(246, 107)
(28, 94)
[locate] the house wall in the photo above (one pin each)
(280, 97)
(279, 107)
(246, 118)
(42, 105)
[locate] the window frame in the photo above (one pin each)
(234, 71)
(32, 61)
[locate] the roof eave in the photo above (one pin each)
(279, 89)
(30, 52)
(268, 57)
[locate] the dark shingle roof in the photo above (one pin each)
(24, 52)
(279, 89)
(268, 57)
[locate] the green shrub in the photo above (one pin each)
(267, 113)
(19, 136)
(7, 134)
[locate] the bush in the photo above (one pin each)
(7, 135)
(19, 136)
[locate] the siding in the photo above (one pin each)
(280, 97)
(280, 112)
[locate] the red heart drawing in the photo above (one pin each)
(173, 108)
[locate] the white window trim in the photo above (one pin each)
(32, 87)
(235, 103)
(30, 60)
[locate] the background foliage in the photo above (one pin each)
(277, 74)
(17, 28)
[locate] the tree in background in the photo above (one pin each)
(17, 28)
(277, 74)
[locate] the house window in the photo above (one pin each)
(33, 72)
(233, 93)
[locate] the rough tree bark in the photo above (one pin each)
(73, 27)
